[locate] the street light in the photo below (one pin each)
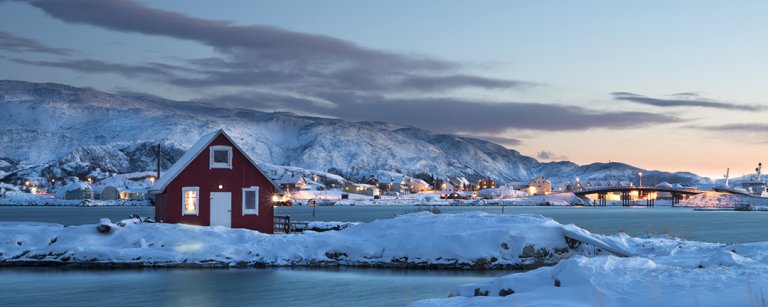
(641, 178)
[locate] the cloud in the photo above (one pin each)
(498, 140)
(258, 55)
(683, 100)
(95, 66)
(741, 128)
(446, 114)
(279, 70)
(17, 44)
(548, 155)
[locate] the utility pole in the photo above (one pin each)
(157, 152)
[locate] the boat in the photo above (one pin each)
(325, 202)
(752, 186)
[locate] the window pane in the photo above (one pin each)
(190, 201)
(221, 156)
(250, 200)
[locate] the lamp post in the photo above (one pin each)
(641, 178)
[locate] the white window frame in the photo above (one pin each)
(213, 164)
(251, 211)
(184, 200)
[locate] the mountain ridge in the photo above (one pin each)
(46, 122)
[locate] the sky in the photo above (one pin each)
(665, 85)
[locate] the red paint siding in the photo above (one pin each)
(198, 174)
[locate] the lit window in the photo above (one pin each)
(251, 200)
(221, 157)
(190, 200)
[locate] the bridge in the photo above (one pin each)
(642, 193)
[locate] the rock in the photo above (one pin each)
(479, 292)
(505, 292)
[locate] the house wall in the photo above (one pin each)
(198, 174)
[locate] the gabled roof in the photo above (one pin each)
(290, 178)
(191, 154)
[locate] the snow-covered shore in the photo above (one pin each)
(26, 199)
(712, 199)
(663, 272)
(420, 240)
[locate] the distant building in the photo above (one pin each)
(459, 183)
(446, 187)
(291, 181)
(75, 190)
(372, 181)
(486, 184)
(362, 189)
(109, 193)
(539, 186)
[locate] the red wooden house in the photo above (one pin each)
(215, 183)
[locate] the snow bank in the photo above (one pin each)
(27, 199)
(665, 272)
(468, 240)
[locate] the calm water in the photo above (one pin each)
(338, 287)
(710, 226)
(251, 287)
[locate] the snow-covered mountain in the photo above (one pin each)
(73, 130)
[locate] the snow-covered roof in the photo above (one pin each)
(76, 186)
(289, 178)
(191, 154)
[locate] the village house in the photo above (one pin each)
(459, 183)
(215, 183)
(486, 184)
(291, 181)
(446, 187)
(75, 189)
(539, 186)
(362, 189)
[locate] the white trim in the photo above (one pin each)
(251, 211)
(184, 200)
(214, 164)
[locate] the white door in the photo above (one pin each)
(221, 209)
